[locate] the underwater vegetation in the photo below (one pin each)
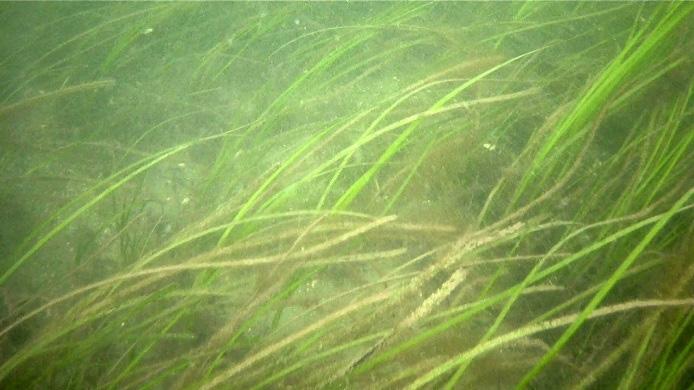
(333, 195)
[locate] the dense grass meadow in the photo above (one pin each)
(347, 196)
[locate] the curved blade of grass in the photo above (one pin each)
(274, 348)
(602, 293)
(627, 63)
(538, 328)
(253, 200)
(89, 204)
(478, 306)
(355, 189)
(317, 357)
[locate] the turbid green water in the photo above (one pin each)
(370, 195)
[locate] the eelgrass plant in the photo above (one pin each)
(346, 196)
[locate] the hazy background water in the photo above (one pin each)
(87, 89)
